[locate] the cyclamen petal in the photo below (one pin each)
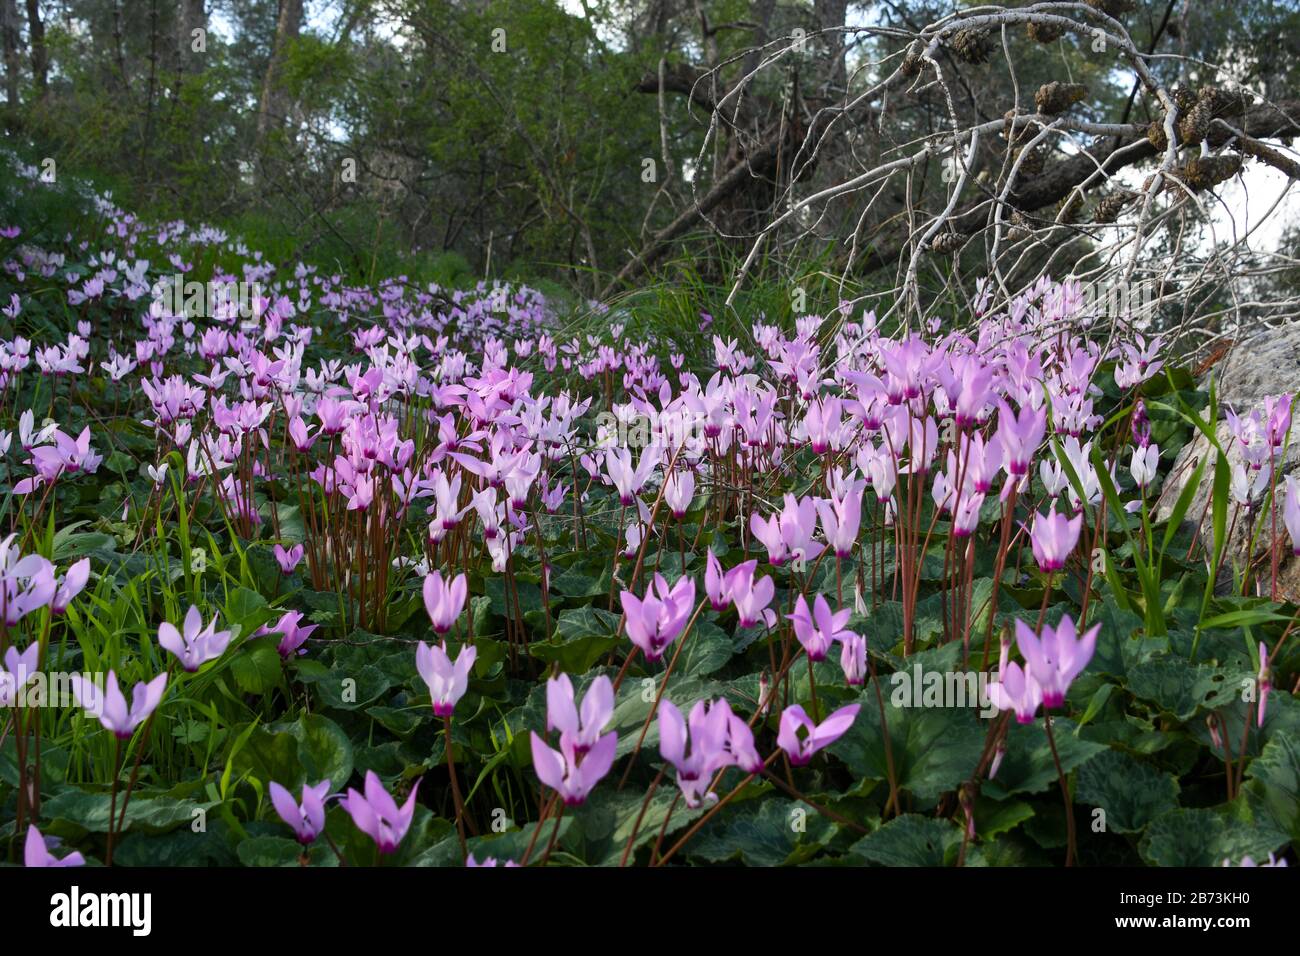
(1054, 537)
(800, 747)
(447, 680)
(655, 621)
(109, 707)
(444, 601)
(569, 774)
(307, 819)
(580, 726)
(1018, 691)
(37, 854)
(1056, 657)
(377, 815)
(195, 645)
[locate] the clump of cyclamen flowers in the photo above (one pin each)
(450, 448)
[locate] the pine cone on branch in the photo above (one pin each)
(971, 45)
(946, 243)
(1032, 161)
(1013, 134)
(1020, 228)
(1206, 172)
(1211, 103)
(1057, 97)
(1156, 136)
(913, 61)
(1044, 32)
(1069, 208)
(1111, 206)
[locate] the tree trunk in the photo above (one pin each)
(40, 58)
(11, 37)
(190, 16)
(274, 105)
(355, 11)
(830, 20)
(761, 16)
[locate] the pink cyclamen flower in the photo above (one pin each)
(66, 455)
(17, 671)
(444, 601)
(967, 515)
(715, 582)
(751, 597)
(196, 644)
(789, 532)
(679, 489)
(552, 498)
(1053, 537)
(570, 774)
(818, 629)
(740, 742)
(1016, 690)
(288, 560)
(307, 819)
(108, 705)
(840, 518)
(1277, 408)
(447, 681)
(737, 586)
(581, 725)
(377, 815)
(299, 434)
(1057, 657)
(1140, 424)
(1144, 464)
(709, 727)
(822, 424)
(655, 621)
(36, 852)
(27, 583)
(1019, 436)
(292, 634)
(487, 861)
(799, 749)
(1291, 513)
(853, 658)
(1250, 861)
(1265, 682)
(768, 532)
(629, 480)
(70, 585)
(974, 392)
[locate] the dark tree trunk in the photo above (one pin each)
(10, 35)
(830, 20)
(274, 106)
(761, 16)
(191, 15)
(36, 36)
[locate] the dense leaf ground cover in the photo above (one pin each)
(316, 573)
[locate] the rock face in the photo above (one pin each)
(1266, 364)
